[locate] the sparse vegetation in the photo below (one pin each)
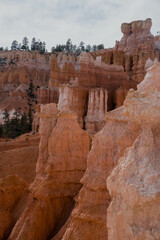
(15, 126)
(38, 45)
(69, 47)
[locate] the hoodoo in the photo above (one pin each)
(89, 169)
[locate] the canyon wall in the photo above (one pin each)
(88, 219)
(69, 198)
(114, 70)
(97, 107)
(134, 183)
(64, 147)
(19, 69)
(105, 186)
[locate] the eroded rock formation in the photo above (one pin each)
(97, 108)
(72, 98)
(136, 34)
(134, 183)
(92, 77)
(13, 194)
(17, 70)
(64, 147)
(65, 202)
(88, 219)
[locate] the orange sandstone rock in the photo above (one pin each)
(97, 107)
(88, 219)
(64, 148)
(13, 193)
(134, 183)
(72, 98)
(136, 34)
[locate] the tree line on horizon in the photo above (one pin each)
(38, 45)
(70, 47)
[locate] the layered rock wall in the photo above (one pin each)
(64, 147)
(88, 219)
(72, 98)
(13, 193)
(18, 70)
(97, 107)
(47, 95)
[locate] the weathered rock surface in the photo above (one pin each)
(72, 98)
(138, 44)
(119, 96)
(95, 73)
(17, 70)
(134, 184)
(13, 193)
(62, 69)
(135, 34)
(90, 74)
(125, 151)
(64, 147)
(47, 95)
(97, 107)
(89, 215)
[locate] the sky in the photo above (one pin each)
(90, 21)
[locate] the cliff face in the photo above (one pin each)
(64, 147)
(17, 70)
(93, 200)
(91, 90)
(134, 183)
(73, 98)
(13, 194)
(97, 107)
(125, 153)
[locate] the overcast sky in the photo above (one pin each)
(54, 21)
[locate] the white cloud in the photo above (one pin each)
(54, 21)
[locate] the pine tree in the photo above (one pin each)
(1, 130)
(24, 123)
(81, 46)
(25, 43)
(100, 46)
(6, 123)
(94, 48)
(88, 48)
(69, 45)
(53, 49)
(43, 47)
(14, 45)
(31, 90)
(16, 126)
(6, 116)
(33, 44)
(30, 119)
